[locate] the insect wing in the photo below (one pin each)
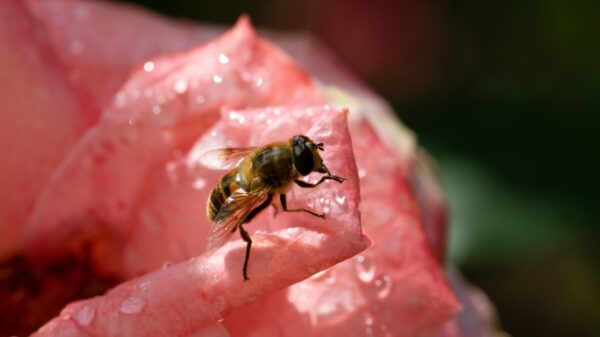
(224, 159)
(232, 214)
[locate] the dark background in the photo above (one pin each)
(506, 95)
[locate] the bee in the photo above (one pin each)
(258, 175)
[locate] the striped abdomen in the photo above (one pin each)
(220, 193)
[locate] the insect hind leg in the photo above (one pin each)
(246, 236)
(248, 240)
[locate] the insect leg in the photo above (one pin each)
(259, 208)
(246, 236)
(275, 210)
(283, 200)
(304, 184)
(248, 240)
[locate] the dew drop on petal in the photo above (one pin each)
(223, 59)
(156, 109)
(144, 285)
(148, 66)
(340, 198)
(120, 99)
(310, 202)
(167, 264)
(383, 286)
(368, 319)
(132, 305)
(365, 268)
(85, 315)
(217, 79)
(199, 184)
(180, 86)
(259, 81)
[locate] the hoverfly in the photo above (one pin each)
(258, 174)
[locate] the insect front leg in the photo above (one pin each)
(304, 184)
(283, 200)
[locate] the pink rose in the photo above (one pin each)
(109, 109)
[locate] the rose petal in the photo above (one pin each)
(80, 32)
(43, 115)
(165, 109)
(189, 296)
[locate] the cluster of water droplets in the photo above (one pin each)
(378, 284)
(373, 328)
(237, 117)
(326, 202)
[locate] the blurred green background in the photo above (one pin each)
(506, 96)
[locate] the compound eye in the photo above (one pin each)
(303, 159)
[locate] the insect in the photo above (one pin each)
(258, 175)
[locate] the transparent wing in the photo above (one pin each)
(232, 214)
(224, 159)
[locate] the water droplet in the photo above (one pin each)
(120, 99)
(180, 86)
(259, 81)
(310, 202)
(326, 209)
(223, 59)
(148, 66)
(383, 286)
(269, 121)
(362, 173)
(131, 122)
(365, 268)
(369, 331)
(340, 198)
(167, 264)
(156, 109)
(200, 99)
(132, 305)
(217, 79)
(368, 319)
(237, 117)
(199, 184)
(65, 317)
(144, 285)
(85, 315)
